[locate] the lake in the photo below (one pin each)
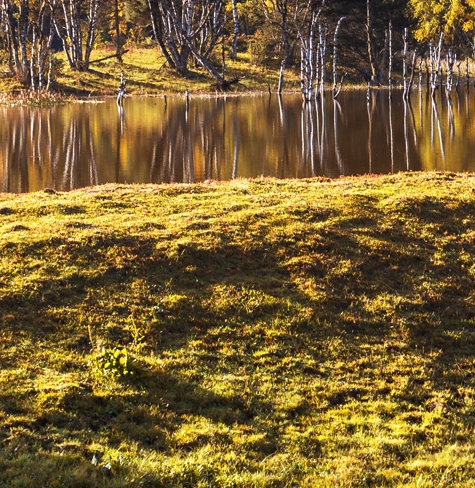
(174, 139)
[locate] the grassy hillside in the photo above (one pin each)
(146, 73)
(256, 333)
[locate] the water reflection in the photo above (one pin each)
(187, 140)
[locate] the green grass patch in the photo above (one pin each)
(254, 333)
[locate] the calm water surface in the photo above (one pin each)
(156, 140)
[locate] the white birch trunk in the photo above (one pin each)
(404, 65)
(91, 30)
(390, 64)
(335, 45)
(437, 53)
(236, 29)
(323, 59)
(450, 72)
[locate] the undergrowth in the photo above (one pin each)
(281, 333)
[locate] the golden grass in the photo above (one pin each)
(277, 333)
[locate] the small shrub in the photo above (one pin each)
(113, 362)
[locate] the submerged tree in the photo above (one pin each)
(308, 67)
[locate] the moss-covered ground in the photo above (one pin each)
(264, 333)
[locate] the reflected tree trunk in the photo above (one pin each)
(406, 137)
(223, 129)
(236, 148)
(436, 120)
(459, 75)
(467, 103)
(70, 140)
(420, 75)
(73, 144)
(336, 131)
(188, 153)
(308, 137)
(18, 152)
(467, 74)
(318, 125)
(391, 134)
(370, 104)
(450, 115)
(93, 173)
(323, 131)
(413, 123)
(285, 151)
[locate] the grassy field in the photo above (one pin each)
(260, 333)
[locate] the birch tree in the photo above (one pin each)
(307, 33)
(455, 19)
(307, 64)
(15, 21)
(283, 9)
(335, 50)
(76, 24)
(235, 28)
(187, 29)
(26, 38)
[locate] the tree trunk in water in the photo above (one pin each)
(411, 80)
(467, 76)
(436, 62)
(322, 42)
(450, 72)
(404, 65)
(307, 68)
(390, 65)
(281, 76)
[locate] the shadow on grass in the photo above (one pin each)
(271, 304)
(352, 265)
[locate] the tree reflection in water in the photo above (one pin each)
(180, 139)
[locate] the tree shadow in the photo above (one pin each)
(332, 276)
